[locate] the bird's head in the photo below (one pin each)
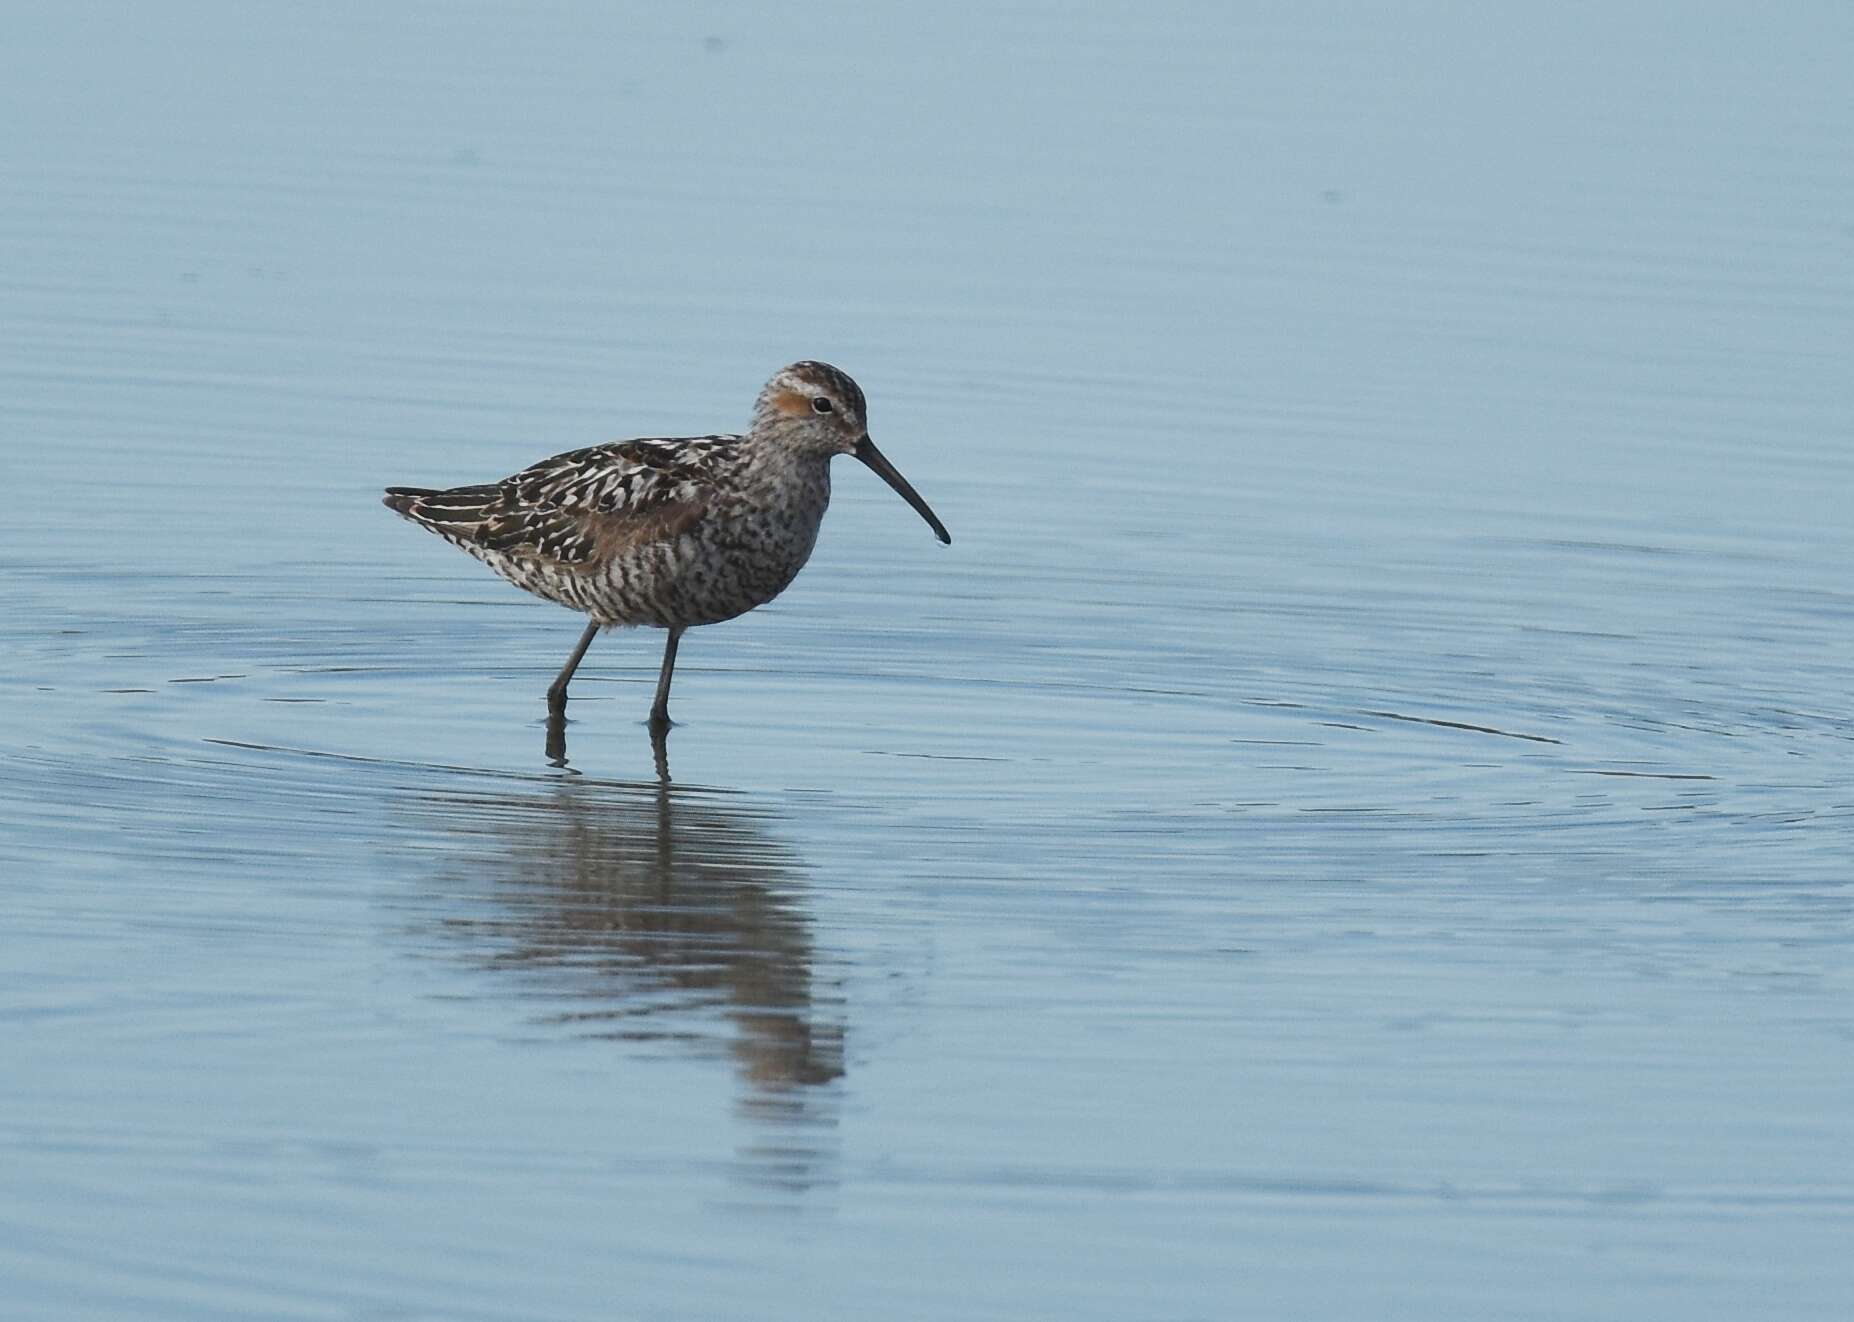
(813, 408)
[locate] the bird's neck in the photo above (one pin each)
(781, 461)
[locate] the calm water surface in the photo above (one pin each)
(1359, 823)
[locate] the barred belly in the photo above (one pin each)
(723, 569)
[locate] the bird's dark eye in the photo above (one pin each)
(820, 405)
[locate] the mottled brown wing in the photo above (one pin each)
(577, 508)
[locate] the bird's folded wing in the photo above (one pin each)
(577, 508)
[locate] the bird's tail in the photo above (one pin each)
(452, 510)
(403, 500)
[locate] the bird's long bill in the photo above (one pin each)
(867, 452)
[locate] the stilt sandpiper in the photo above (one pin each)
(670, 532)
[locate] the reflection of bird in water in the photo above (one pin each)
(647, 908)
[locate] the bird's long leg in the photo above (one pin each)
(659, 711)
(556, 691)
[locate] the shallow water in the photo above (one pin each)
(1358, 824)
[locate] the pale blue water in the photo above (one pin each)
(1359, 823)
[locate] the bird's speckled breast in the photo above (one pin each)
(756, 534)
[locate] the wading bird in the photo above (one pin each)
(670, 532)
